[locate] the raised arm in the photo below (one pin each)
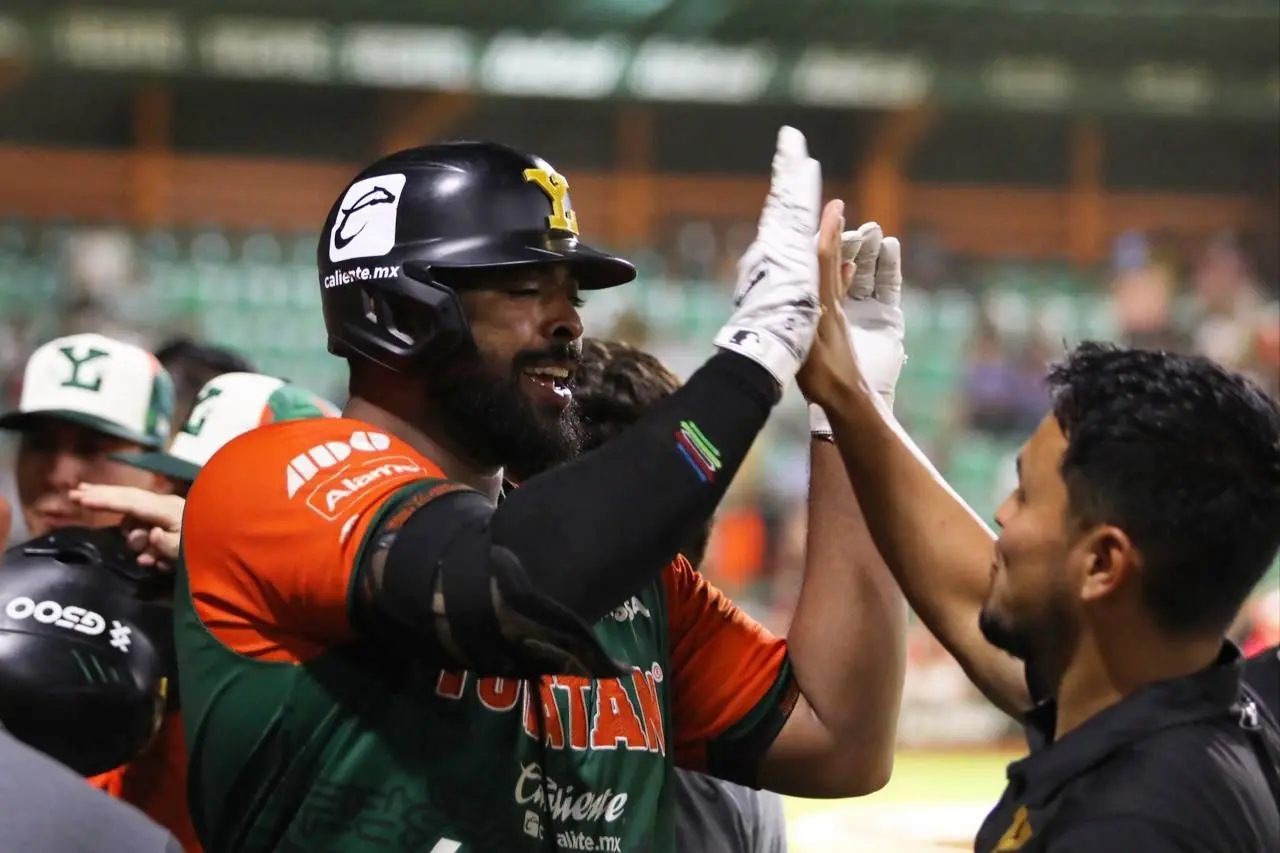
(847, 638)
(937, 548)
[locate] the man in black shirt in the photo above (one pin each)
(1180, 766)
(1262, 674)
(1147, 508)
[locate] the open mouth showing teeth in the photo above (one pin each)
(558, 378)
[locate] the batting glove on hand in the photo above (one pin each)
(873, 309)
(776, 306)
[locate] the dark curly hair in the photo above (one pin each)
(191, 364)
(614, 386)
(1184, 456)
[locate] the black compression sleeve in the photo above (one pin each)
(593, 532)
(432, 583)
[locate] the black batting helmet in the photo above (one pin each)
(86, 648)
(456, 205)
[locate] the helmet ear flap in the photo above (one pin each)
(414, 318)
(403, 319)
(432, 311)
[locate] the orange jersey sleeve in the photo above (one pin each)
(156, 783)
(274, 525)
(731, 676)
(6, 521)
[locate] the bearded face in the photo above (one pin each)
(515, 412)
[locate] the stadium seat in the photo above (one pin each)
(257, 292)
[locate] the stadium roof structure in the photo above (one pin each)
(1192, 57)
(1238, 33)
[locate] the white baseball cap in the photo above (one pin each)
(107, 385)
(226, 407)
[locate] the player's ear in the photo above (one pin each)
(1110, 561)
(162, 485)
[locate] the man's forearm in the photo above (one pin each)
(639, 496)
(939, 551)
(847, 639)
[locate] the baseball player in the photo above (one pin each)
(225, 407)
(383, 649)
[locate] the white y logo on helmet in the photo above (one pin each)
(305, 467)
(365, 224)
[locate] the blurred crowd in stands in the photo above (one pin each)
(979, 336)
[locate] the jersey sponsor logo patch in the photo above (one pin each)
(331, 496)
(568, 809)
(305, 467)
(365, 226)
(1018, 833)
(631, 610)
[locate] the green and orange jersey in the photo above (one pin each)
(304, 737)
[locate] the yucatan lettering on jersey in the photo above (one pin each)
(567, 712)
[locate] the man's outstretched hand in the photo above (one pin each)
(860, 346)
(831, 363)
(152, 522)
(775, 304)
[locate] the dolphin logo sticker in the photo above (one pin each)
(375, 196)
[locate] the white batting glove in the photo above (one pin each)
(776, 305)
(873, 310)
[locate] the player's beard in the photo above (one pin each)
(1042, 639)
(485, 409)
(1003, 633)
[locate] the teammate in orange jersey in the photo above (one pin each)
(365, 609)
(225, 407)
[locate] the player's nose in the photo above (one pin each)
(66, 470)
(564, 322)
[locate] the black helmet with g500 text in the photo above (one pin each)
(451, 206)
(86, 648)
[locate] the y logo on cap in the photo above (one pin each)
(200, 411)
(77, 379)
(365, 225)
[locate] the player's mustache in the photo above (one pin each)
(566, 354)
